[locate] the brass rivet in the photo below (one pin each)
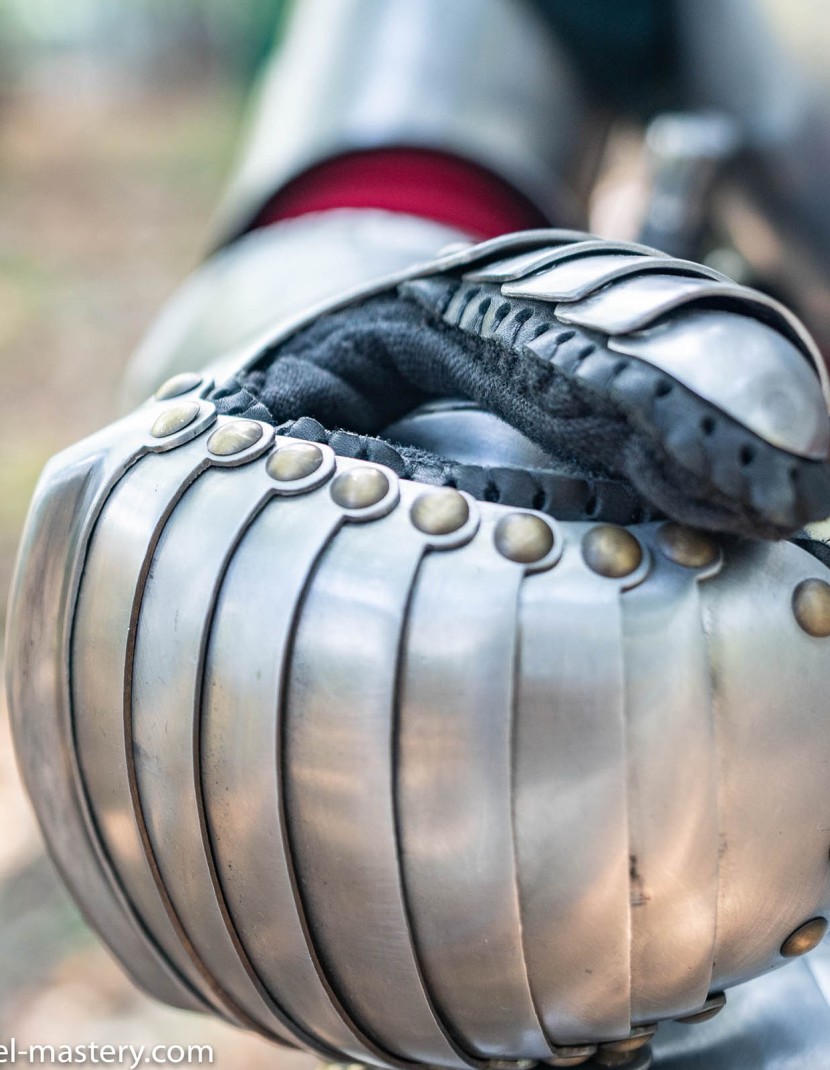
(178, 385)
(440, 512)
(687, 546)
(618, 1053)
(638, 1059)
(611, 551)
(175, 419)
(523, 538)
(297, 461)
(713, 1005)
(804, 939)
(359, 488)
(234, 438)
(572, 1056)
(811, 606)
(638, 1039)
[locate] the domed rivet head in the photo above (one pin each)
(359, 488)
(175, 419)
(440, 512)
(234, 438)
(638, 1039)
(611, 551)
(523, 538)
(804, 939)
(811, 607)
(713, 1005)
(297, 461)
(572, 1056)
(178, 385)
(638, 1059)
(687, 546)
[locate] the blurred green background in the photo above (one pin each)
(118, 120)
(117, 124)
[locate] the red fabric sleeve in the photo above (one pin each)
(420, 182)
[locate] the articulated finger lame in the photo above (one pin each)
(398, 774)
(702, 400)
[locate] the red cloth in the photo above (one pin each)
(420, 182)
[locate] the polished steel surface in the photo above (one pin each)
(69, 498)
(270, 275)
(469, 435)
(672, 808)
(405, 787)
(382, 75)
(177, 385)
(760, 378)
(339, 786)
(165, 688)
(572, 845)
(635, 303)
(570, 246)
(454, 797)
(572, 280)
(241, 738)
(778, 1022)
(713, 1006)
(117, 562)
(772, 836)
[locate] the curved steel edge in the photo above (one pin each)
(564, 244)
(68, 498)
(451, 259)
(381, 77)
(743, 629)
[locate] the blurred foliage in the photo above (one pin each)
(164, 40)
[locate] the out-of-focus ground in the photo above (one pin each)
(111, 163)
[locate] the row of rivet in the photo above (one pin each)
(608, 550)
(623, 1052)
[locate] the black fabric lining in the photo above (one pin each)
(366, 366)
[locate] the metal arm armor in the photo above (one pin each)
(406, 778)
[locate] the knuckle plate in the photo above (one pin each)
(734, 347)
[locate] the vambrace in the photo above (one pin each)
(358, 75)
